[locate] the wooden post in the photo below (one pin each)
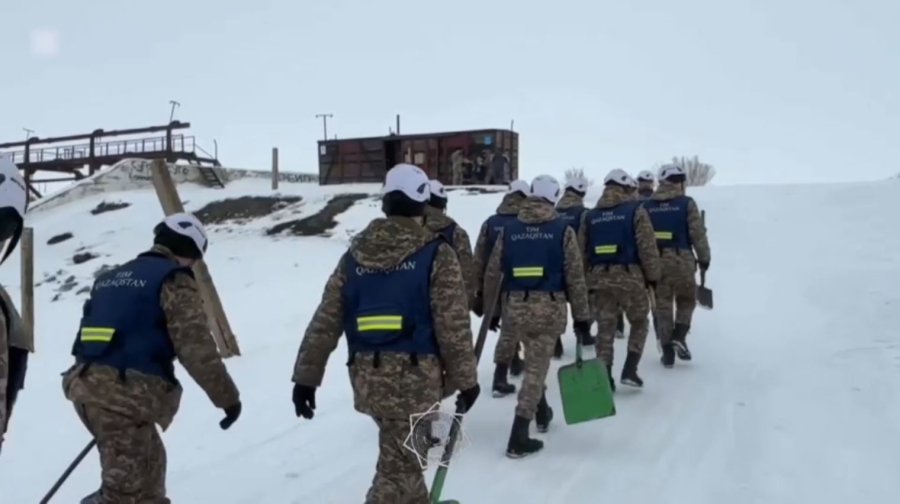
(215, 313)
(27, 251)
(274, 168)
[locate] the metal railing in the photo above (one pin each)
(180, 143)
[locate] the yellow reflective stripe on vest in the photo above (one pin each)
(380, 323)
(101, 334)
(606, 249)
(663, 235)
(536, 271)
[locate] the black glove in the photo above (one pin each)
(651, 284)
(304, 401)
(478, 305)
(704, 266)
(495, 324)
(466, 398)
(581, 327)
(232, 413)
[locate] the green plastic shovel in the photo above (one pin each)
(584, 389)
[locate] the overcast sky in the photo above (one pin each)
(766, 90)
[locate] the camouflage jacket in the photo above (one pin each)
(436, 221)
(534, 211)
(12, 335)
(644, 237)
(569, 200)
(395, 388)
(151, 398)
(509, 206)
(696, 228)
(4, 372)
(644, 191)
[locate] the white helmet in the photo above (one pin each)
(437, 189)
(545, 187)
(669, 171)
(646, 176)
(519, 186)
(621, 177)
(13, 204)
(580, 184)
(187, 226)
(410, 180)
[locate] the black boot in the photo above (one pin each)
(520, 445)
(668, 356)
(620, 327)
(588, 340)
(501, 386)
(612, 382)
(679, 335)
(518, 365)
(629, 371)
(544, 415)
(558, 351)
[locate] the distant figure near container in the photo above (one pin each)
(457, 162)
(543, 273)
(500, 168)
(398, 295)
(141, 316)
(680, 233)
(506, 351)
(646, 185)
(14, 346)
(437, 220)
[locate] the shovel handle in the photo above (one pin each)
(702, 277)
(652, 293)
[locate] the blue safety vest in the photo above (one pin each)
(610, 235)
(495, 224)
(389, 310)
(670, 223)
(571, 216)
(534, 256)
(123, 325)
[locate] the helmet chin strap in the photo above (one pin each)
(13, 242)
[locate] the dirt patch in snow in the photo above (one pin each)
(245, 208)
(109, 207)
(320, 222)
(84, 257)
(60, 238)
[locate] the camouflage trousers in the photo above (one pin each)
(538, 351)
(132, 458)
(507, 346)
(609, 301)
(457, 174)
(676, 295)
(398, 475)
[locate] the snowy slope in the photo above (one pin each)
(792, 396)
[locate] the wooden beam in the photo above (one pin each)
(274, 168)
(212, 304)
(27, 251)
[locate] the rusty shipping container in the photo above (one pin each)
(368, 159)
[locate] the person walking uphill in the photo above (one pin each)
(622, 260)
(14, 347)
(398, 295)
(542, 269)
(506, 352)
(680, 233)
(570, 209)
(438, 222)
(141, 316)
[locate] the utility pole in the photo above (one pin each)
(172, 114)
(28, 133)
(325, 123)
(216, 144)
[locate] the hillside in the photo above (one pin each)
(792, 396)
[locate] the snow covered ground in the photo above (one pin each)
(792, 397)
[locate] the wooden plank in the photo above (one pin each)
(274, 168)
(27, 251)
(212, 304)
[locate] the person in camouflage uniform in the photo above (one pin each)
(622, 261)
(394, 264)
(646, 185)
(14, 344)
(570, 208)
(142, 316)
(438, 222)
(542, 268)
(680, 233)
(506, 354)
(456, 161)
